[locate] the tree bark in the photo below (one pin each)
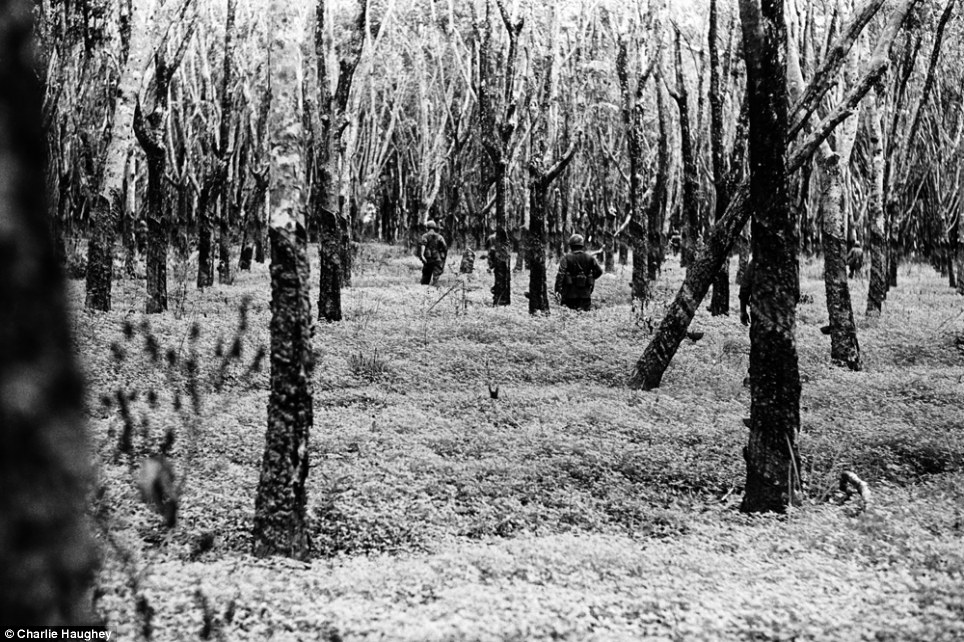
(691, 209)
(47, 557)
(280, 523)
(844, 349)
(720, 301)
(334, 243)
(656, 213)
(638, 219)
(877, 248)
(773, 472)
(225, 274)
(105, 205)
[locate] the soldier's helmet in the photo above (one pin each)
(431, 225)
(576, 240)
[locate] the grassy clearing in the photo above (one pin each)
(570, 507)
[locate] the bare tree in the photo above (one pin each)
(47, 557)
(280, 524)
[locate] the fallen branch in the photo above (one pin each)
(849, 480)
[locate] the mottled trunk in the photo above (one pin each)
(334, 240)
(280, 521)
(691, 186)
(225, 273)
(157, 235)
(639, 220)
(844, 350)
(205, 238)
(536, 247)
(720, 301)
(47, 557)
(105, 205)
(657, 206)
(329, 268)
(772, 458)
(877, 248)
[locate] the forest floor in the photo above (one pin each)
(571, 507)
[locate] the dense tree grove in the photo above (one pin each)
(201, 135)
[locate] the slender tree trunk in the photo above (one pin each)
(536, 246)
(877, 248)
(844, 350)
(205, 232)
(150, 133)
(773, 471)
(720, 301)
(334, 241)
(280, 523)
(225, 274)
(657, 206)
(157, 229)
(691, 207)
(47, 557)
(104, 206)
(638, 219)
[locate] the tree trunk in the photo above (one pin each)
(536, 246)
(47, 557)
(638, 219)
(104, 206)
(877, 248)
(720, 301)
(280, 524)
(157, 231)
(773, 472)
(334, 241)
(150, 133)
(205, 235)
(691, 207)
(844, 350)
(225, 275)
(657, 206)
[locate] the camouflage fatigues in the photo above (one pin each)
(576, 279)
(434, 250)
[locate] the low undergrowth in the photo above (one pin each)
(426, 492)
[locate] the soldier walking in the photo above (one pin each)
(577, 276)
(432, 252)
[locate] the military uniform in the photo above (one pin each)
(577, 276)
(433, 253)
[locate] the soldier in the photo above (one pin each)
(432, 252)
(855, 259)
(577, 276)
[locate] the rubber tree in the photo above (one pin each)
(690, 206)
(333, 260)
(650, 367)
(280, 520)
(106, 199)
(496, 131)
(637, 224)
(225, 148)
(845, 349)
(773, 472)
(47, 557)
(720, 301)
(151, 133)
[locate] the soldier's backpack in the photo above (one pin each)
(578, 284)
(434, 247)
